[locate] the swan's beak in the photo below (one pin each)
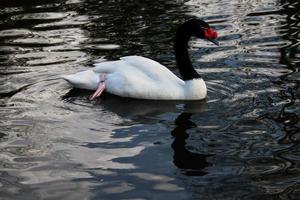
(215, 41)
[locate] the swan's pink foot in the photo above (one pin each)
(100, 88)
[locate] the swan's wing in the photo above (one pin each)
(148, 67)
(152, 68)
(108, 66)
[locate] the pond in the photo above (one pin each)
(242, 142)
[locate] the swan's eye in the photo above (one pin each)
(210, 33)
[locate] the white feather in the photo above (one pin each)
(139, 77)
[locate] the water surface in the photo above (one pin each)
(242, 142)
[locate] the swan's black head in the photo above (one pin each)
(200, 29)
(195, 28)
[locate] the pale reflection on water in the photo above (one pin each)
(240, 143)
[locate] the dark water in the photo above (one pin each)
(241, 143)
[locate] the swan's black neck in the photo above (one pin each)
(184, 64)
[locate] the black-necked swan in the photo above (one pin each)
(143, 78)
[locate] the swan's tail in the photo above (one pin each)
(85, 80)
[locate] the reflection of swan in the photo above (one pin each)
(128, 107)
(148, 110)
(192, 163)
(143, 78)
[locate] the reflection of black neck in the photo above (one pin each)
(193, 163)
(184, 64)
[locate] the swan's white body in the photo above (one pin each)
(139, 77)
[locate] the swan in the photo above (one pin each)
(143, 78)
